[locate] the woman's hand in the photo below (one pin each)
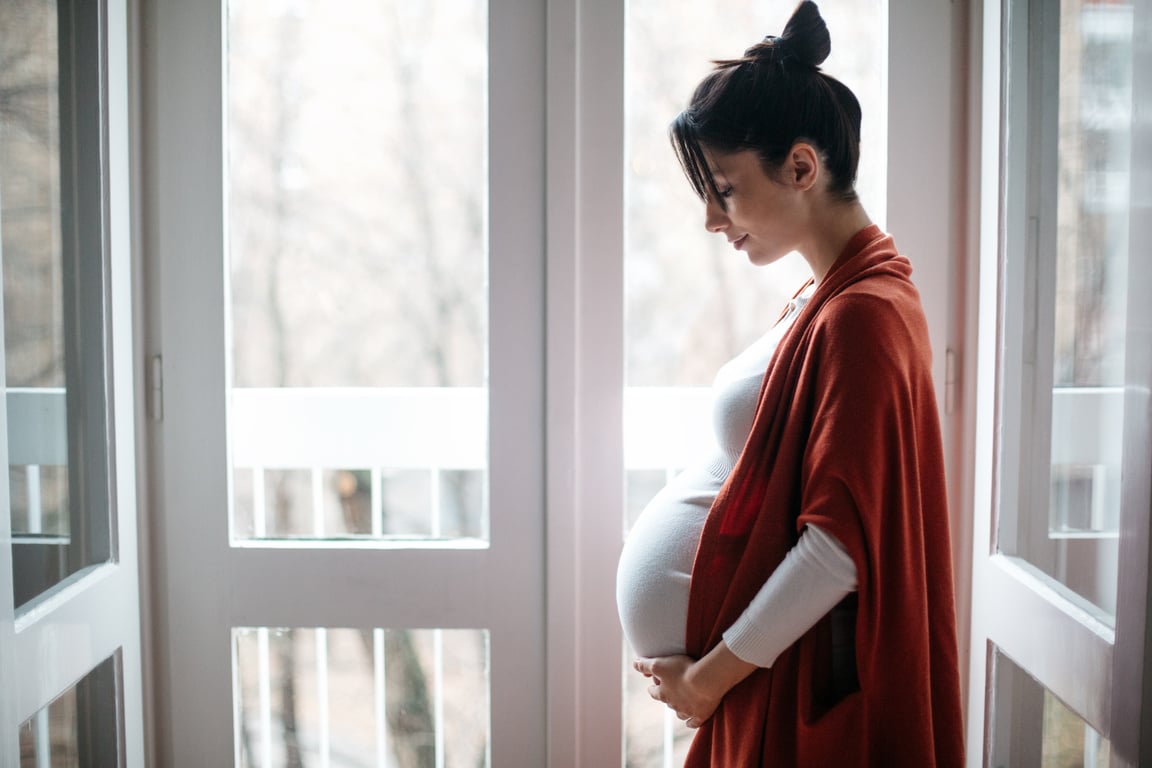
(672, 684)
(694, 689)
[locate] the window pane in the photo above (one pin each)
(1033, 727)
(1095, 115)
(357, 195)
(691, 302)
(79, 728)
(371, 697)
(53, 255)
(30, 195)
(1079, 108)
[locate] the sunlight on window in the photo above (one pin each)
(357, 210)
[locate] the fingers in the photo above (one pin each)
(646, 667)
(672, 668)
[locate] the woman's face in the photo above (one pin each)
(762, 216)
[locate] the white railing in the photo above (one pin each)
(437, 429)
(424, 427)
(337, 428)
(1087, 437)
(430, 430)
(320, 667)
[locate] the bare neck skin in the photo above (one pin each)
(831, 226)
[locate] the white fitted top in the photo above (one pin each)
(655, 568)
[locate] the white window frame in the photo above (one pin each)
(1098, 671)
(205, 586)
(585, 374)
(49, 645)
(1132, 717)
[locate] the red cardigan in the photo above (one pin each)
(846, 436)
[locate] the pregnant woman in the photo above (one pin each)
(791, 597)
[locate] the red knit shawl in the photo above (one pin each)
(846, 436)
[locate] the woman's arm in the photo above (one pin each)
(815, 575)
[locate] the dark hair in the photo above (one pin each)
(766, 101)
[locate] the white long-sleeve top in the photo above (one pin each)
(655, 567)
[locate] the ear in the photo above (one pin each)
(802, 168)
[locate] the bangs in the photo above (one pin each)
(690, 153)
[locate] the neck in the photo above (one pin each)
(832, 228)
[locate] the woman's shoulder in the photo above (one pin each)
(877, 299)
(876, 319)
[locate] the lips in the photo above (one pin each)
(738, 242)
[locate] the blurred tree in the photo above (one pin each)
(29, 194)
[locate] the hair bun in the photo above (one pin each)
(805, 37)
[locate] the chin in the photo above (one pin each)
(763, 260)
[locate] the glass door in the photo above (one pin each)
(348, 340)
(1060, 571)
(70, 660)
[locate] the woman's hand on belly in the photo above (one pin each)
(694, 689)
(672, 685)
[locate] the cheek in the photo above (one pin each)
(740, 214)
(752, 212)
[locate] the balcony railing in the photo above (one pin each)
(435, 430)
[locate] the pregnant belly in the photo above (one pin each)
(655, 572)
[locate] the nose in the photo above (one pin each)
(715, 218)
